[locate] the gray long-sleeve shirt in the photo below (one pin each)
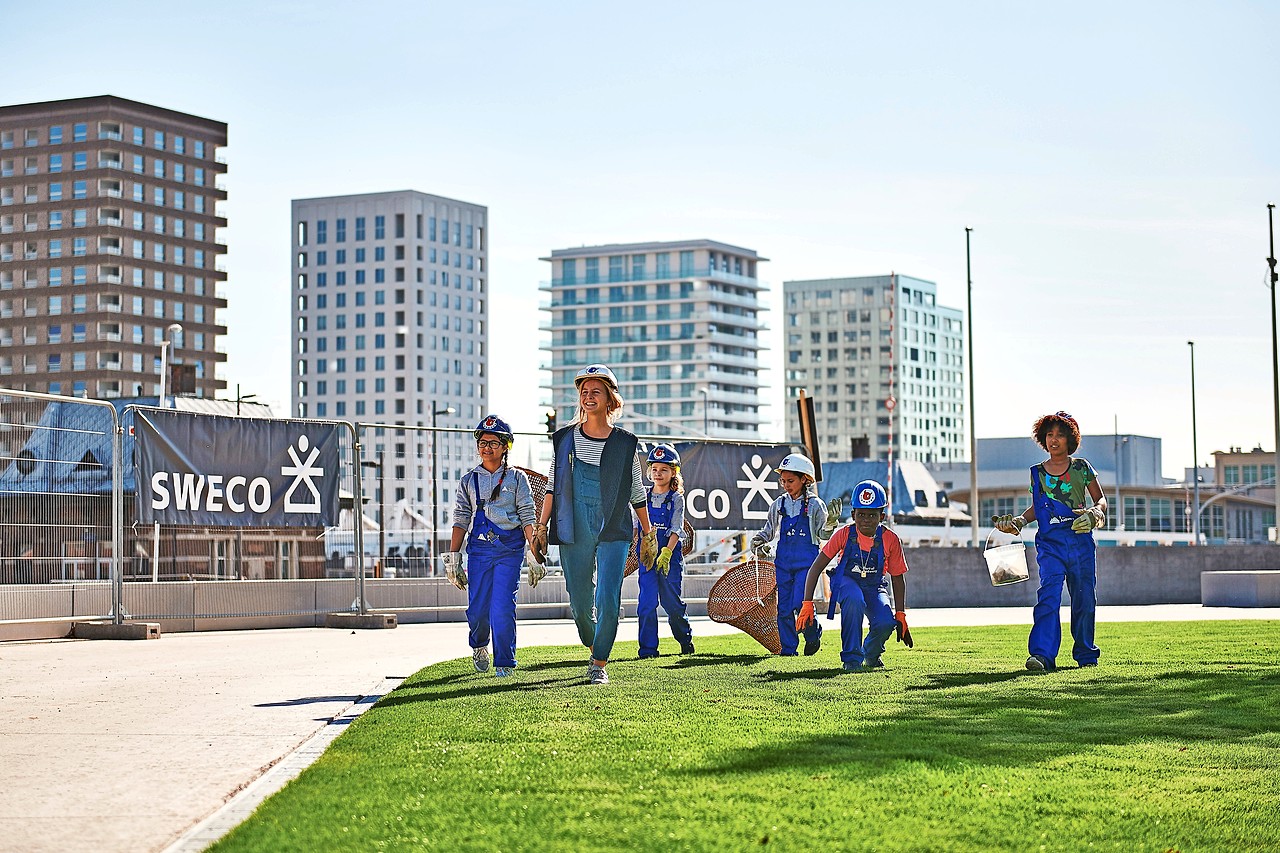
(512, 508)
(785, 505)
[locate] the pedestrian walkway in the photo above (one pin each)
(126, 746)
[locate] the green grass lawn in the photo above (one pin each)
(1172, 743)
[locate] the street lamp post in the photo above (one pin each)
(1275, 358)
(706, 396)
(1195, 454)
(382, 512)
(435, 478)
(165, 343)
(973, 435)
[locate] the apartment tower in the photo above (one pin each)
(109, 245)
(390, 327)
(885, 366)
(677, 322)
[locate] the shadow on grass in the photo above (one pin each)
(802, 674)
(951, 680)
(990, 719)
(712, 659)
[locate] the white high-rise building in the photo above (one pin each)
(885, 366)
(390, 326)
(677, 322)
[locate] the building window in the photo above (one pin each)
(379, 227)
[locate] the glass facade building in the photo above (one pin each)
(679, 323)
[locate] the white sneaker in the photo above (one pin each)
(596, 674)
(480, 657)
(504, 671)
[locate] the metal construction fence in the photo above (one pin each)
(72, 546)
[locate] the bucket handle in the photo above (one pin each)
(1016, 538)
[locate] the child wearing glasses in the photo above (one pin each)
(494, 510)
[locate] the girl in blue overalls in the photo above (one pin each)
(872, 558)
(494, 510)
(796, 518)
(662, 581)
(1062, 489)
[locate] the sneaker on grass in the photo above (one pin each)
(504, 671)
(1039, 663)
(687, 648)
(480, 657)
(596, 674)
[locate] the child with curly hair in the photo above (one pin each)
(1068, 504)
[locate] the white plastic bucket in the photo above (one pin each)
(1007, 564)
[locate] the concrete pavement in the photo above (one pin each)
(140, 745)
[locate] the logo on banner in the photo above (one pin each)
(756, 484)
(302, 473)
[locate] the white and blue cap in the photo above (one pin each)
(495, 425)
(869, 495)
(665, 454)
(596, 371)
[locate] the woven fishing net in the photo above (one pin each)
(746, 597)
(538, 483)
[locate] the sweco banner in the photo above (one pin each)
(235, 472)
(729, 486)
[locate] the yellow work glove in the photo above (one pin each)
(663, 563)
(833, 518)
(1008, 523)
(1088, 519)
(649, 547)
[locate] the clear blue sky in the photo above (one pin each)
(1114, 160)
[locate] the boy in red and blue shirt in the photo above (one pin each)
(871, 559)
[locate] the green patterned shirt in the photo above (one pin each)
(1072, 488)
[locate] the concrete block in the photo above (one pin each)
(1240, 589)
(109, 631)
(357, 620)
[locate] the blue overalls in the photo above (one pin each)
(796, 552)
(494, 556)
(861, 587)
(655, 587)
(587, 555)
(1062, 553)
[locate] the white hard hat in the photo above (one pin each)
(596, 371)
(797, 462)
